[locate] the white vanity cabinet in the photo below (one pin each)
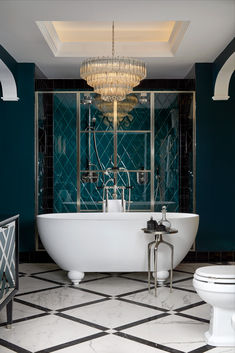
(9, 260)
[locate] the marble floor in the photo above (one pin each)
(106, 313)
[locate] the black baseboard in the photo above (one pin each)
(147, 84)
(35, 257)
(192, 256)
(210, 256)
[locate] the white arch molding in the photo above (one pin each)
(223, 79)
(9, 89)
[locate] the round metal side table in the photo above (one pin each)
(158, 240)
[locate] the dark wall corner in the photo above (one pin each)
(215, 126)
(17, 151)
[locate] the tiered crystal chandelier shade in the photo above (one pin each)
(123, 107)
(113, 77)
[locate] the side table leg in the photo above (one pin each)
(9, 307)
(149, 265)
(172, 257)
(155, 268)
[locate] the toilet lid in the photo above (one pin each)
(219, 274)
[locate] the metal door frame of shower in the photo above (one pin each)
(79, 131)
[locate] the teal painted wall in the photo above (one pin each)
(215, 187)
(17, 151)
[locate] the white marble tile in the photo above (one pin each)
(45, 332)
(172, 331)
(143, 276)
(36, 267)
(110, 344)
(5, 350)
(19, 311)
(58, 276)
(93, 275)
(177, 276)
(29, 284)
(60, 298)
(114, 285)
(112, 313)
(61, 276)
(165, 299)
(203, 311)
(188, 284)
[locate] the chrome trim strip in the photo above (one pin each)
(194, 161)
(97, 211)
(152, 110)
(78, 153)
(36, 166)
(115, 141)
(120, 171)
(194, 152)
(118, 131)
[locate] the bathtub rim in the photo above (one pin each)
(112, 216)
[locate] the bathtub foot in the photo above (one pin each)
(161, 277)
(75, 277)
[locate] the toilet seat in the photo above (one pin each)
(221, 274)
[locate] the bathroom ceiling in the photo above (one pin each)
(169, 35)
(156, 39)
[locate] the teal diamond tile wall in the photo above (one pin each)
(65, 152)
(166, 151)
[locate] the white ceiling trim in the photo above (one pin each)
(223, 79)
(210, 30)
(140, 48)
(9, 89)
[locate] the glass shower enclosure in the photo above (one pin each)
(76, 150)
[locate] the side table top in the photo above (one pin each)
(155, 232)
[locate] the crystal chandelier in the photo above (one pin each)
(123, 108)
(113, 77)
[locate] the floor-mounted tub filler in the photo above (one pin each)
(112, 242)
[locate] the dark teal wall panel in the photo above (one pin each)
(17, 152)
(215, 175)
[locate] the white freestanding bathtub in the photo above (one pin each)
(112, 242)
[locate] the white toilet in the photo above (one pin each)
(216, 286)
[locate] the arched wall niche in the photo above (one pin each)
(7, 80)
(221, 88)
